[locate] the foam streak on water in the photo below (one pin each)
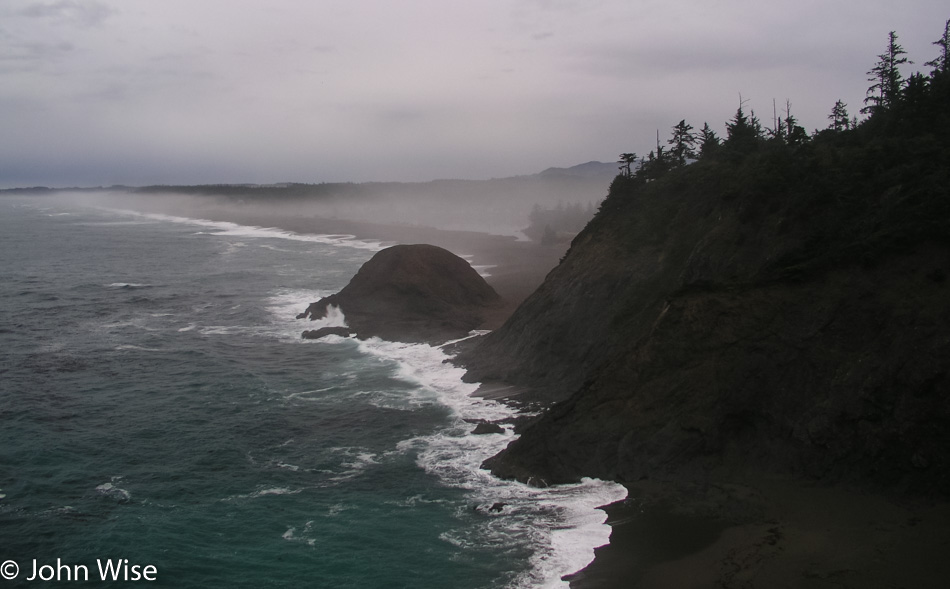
(225, 228)
(561, 523)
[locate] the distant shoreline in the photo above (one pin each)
(515, 268)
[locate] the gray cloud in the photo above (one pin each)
(88, 13)
(34, 51)
(177, 91)
(31, 56)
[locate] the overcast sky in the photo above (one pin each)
(101, 92)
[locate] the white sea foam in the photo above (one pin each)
(226, 330)
(333, 318)
(234, 246)
(110, 223)
(274, 248)
(138, 322)
(111, 491)
(308, 395)
(336, 509)
(291, 534)
(136, 348)
(274, 491)
(264, 493)
(355, 461)
(286, 304)
(233, 229)
(561, 523)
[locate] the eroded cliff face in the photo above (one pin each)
(694, 329)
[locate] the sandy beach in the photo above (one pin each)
(769, 531)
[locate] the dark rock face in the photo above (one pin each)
(412, 293)
(684, 337)
(836, 379)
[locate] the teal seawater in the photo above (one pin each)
(158, 405)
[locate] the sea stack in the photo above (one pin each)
(411, 293)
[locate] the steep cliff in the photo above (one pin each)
(782, 308)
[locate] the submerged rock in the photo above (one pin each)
(411, 293)
(487, 428)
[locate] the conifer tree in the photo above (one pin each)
(655, 165)
(742, 132)
(796, 134)
(915, 90)
(738, 126)
(839, 117)
(683, 142)
(626, 160)
(756, 125)
(886, 75)
(708, 140)
(942, 62)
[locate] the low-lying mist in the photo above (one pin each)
(501, 206)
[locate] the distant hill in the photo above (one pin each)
(589, 170)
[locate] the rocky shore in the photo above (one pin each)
(772, 400)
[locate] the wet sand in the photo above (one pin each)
(771, 532)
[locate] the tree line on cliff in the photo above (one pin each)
(900, 145)
(895, 106)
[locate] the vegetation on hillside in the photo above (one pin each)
(549, 225)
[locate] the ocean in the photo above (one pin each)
(159, 410)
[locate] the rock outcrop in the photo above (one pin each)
(410, 293)
(325, 331)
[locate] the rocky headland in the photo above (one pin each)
(726, 335)
(410, 293)
(773, 305)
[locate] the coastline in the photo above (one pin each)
(757, 532)
(513, 268)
